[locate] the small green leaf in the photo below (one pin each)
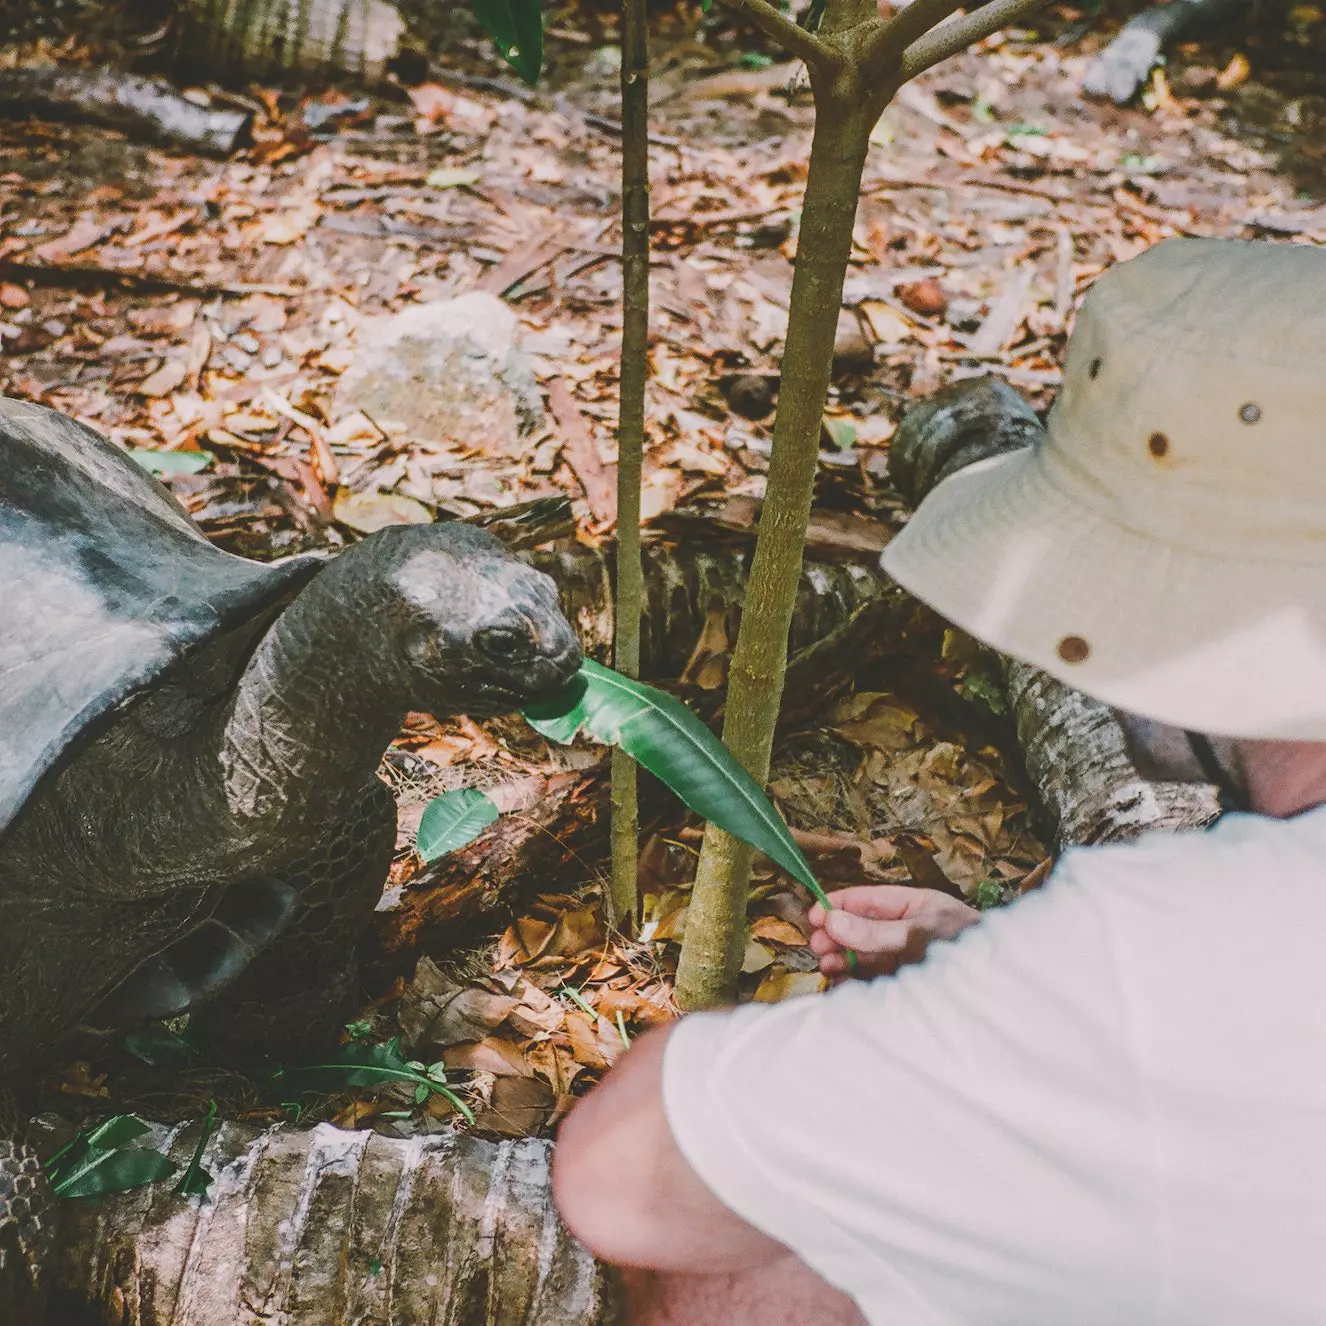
(171, 462)
(754, 60)
(842, 433)
(661, 734)
(196, 1180)
(516, 27)
(452, 820)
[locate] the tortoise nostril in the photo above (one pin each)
(504, 644)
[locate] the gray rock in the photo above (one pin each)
(447, 372)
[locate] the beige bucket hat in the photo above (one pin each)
(1164, 549)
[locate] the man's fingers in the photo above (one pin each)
(865, 933)
(822, 943)
(885, 902)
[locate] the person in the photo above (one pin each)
(1104, 1105)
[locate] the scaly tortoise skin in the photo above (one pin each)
(190, 815)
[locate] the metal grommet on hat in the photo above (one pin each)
(1073, 649)
(1250, 413)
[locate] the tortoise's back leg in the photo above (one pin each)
(295, 995)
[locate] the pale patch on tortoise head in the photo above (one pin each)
(484, 632)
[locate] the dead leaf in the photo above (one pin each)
(172, 374)
(781, 984)
(518, 1107)
(83, 235)
(370, 511)
(437, 1011)
(494, 1055)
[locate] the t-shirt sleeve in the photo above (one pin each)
(965, 1142)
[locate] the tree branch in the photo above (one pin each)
(791, 36)
(950, 38)
(907, 25)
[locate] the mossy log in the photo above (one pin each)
(325, 1227)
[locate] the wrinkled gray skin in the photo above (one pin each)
(216, 843)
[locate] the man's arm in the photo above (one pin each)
(626, 1191)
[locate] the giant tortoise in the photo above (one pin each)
(190, 814)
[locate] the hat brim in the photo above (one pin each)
(1214, 643)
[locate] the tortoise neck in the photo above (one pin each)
(320, 700)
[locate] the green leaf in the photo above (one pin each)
(99, 1160)
(106, 1172)
(196, 1180)
(171, 462)
(361, 1065)
(452, 820)
(516, 27)
(660, 733)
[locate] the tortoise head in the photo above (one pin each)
(480, 632)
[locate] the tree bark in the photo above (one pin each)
(631, 435)
(271, 39)
(140, 107)
(325, 1228)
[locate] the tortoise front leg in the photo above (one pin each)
(294, 996)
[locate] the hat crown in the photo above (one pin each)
(1193, 407)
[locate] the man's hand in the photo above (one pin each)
(887, 926)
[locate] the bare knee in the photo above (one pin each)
(783, 1293)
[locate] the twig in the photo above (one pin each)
(952, 37)
(791, 36)
(81, 275)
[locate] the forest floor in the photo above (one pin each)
(206, 310)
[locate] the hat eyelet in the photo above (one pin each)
(1158, 445)
(1074, 649)
(1093, 369)
(1250, 412)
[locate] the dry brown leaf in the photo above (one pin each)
(371, 511)
(781, 984)
(518, 1107)
(437, 1011)
(172, 374)
(779, 931)
(494, 1055)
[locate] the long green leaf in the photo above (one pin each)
(362, 1065)
(196, 1180)
(452, 820)
(100, 1160)
(660, 733)
(516, 27)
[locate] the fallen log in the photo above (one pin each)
(1072, 745)
(142, 108)
(327, 1227)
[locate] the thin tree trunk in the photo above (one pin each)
(715, 930)
(325, 1228)
(855, 69)
(631, 434)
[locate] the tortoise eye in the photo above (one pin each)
(504, 644)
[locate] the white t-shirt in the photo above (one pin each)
(1105, 1105)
